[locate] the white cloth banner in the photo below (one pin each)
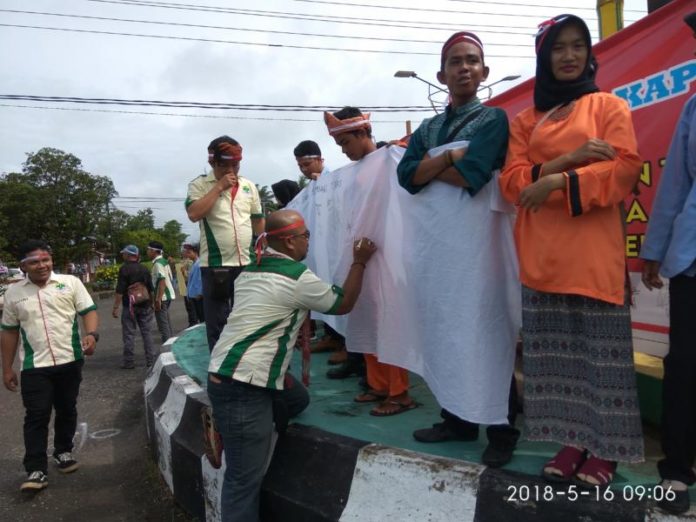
(441, 297)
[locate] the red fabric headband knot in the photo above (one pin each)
(226, 152)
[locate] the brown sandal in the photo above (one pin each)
(391, 407)
(370, 396)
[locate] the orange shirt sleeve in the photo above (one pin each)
(607, 183)
(517, 173)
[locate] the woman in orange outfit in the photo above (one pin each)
(572, 159)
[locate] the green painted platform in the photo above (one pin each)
(332, 409)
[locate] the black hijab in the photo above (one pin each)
(285, 191)
(549, 92)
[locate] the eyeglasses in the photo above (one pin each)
(304, 234)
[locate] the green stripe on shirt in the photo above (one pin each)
(75, 340)
(279, 357)
(214, 254)
(28, 351)
(235, 354)
(87, 310)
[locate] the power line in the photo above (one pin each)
(538, 5)
(434, 10)
(77, 109)
(208, 105)
(212, 40)
(156, 3)
(230, 28)
(434, 26)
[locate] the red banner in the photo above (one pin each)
(651, 65)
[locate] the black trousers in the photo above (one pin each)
(679, 384)
(44, 390)
(502, 436)
(190, 311)
(218, 298)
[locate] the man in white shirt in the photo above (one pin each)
(42, 310)
(249, 362)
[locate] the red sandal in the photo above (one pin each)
(602, 471)
(566, 461)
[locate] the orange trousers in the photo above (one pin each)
(385, 377)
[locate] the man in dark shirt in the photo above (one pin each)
(134, 314)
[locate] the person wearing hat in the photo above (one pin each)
(670, 250)
(163, 288)
(572, 160)
(133, 276)
(475, 138)
(228, 209)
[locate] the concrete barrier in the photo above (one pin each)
(318, 476)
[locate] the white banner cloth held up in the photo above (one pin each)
(441, 297)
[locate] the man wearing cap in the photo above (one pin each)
(670, 250)
(163, 293)
(228, 209)
(249, 362)
(134, 314)
(41, 318)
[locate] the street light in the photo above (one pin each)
(504, 79)
(412, 74)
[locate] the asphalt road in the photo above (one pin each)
(118, 479)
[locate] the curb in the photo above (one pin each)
(318, 476)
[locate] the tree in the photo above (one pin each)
(268, 202)
(172, 236)
(143, 220)
(54, 199)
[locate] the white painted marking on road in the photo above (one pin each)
(104, 434)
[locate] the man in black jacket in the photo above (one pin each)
(134, 313)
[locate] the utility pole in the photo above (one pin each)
(610, 13)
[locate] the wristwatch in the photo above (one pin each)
(95, 335)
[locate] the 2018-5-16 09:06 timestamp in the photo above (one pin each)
(629, 493)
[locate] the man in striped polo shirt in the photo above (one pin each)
(163, 288)
(249, 362)
(228, 210)
(42, 309)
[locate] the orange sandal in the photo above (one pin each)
(566, 461)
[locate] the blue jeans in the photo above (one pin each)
(244, 418)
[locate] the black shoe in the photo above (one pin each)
(441, 432)
(497, 457)
(36, 481)
(678, 505)
(65, 462)
(346, 369)
(125, 366)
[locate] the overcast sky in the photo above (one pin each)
(157, 155)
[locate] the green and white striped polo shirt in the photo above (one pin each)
(270, 303)
(47, 319)
(226, 231)
(160, 271)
